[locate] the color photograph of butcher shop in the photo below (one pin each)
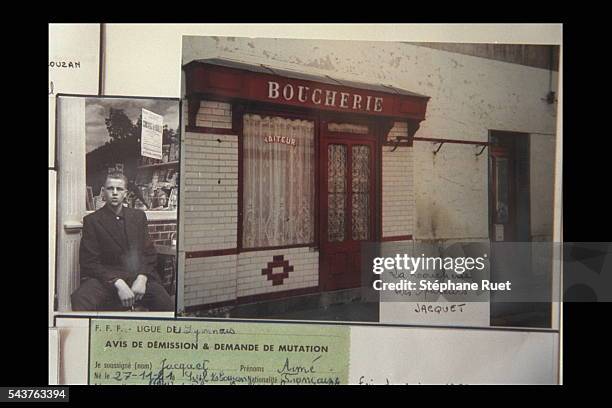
(297, 152)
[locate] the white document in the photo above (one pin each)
(74, 58)
(441, 313)
(73, 350)
(151, 137)
(411, 355)
(74, 66)
(392, 355)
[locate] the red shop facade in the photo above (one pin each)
(286, 175)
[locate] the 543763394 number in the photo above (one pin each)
(34, 393)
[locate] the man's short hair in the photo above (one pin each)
(117, 175)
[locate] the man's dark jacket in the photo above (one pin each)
(105, 254)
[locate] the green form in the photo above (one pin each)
(175, 352)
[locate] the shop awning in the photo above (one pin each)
(227, 79)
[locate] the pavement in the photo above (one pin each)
(343, 305)
(352, 312)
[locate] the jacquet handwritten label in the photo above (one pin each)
(156, 352)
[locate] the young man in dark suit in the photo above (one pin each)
(117, 258)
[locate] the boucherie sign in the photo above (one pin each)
(320, 96)
(215, 82)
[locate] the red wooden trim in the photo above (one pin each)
(237, 112)
(383, 127)
(322, 197)
(225, 82)
(277, 295)
(379, 187)
(317, 188)
(287, 112)
(429, 139)
(214, 252)
(193, 106)
(397, 238)
(271, 248)
(348, 118)
(348, 217)
(350, 140)
(213, 130)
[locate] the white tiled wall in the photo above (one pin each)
(210, 207)
(399, 129)
(210, 279)
(211, 191)
(398, 187)
(222, 278)
(305, 272)
(214, 114)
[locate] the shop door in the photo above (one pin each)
(509, 187)
(347, 204)
(510, 223)
(502, 193)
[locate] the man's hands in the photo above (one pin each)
(129, 295)
(125, 293)
(139, 287)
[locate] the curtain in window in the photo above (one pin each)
(278, 181)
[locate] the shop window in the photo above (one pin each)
(336, 181)
(360, 192)
(278, 181)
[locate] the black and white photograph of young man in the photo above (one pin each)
(117, 203)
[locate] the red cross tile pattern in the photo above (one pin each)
(278, 261)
